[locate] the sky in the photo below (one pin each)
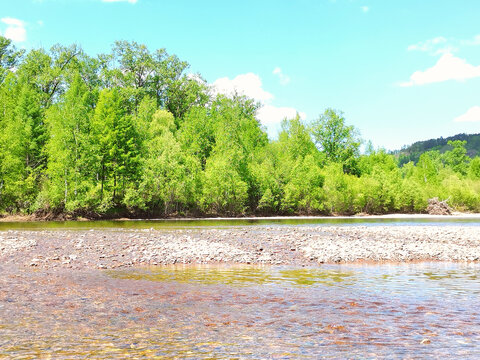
(400, 70)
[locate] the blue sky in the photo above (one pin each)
(400, 70)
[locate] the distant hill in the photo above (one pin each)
(413, 152)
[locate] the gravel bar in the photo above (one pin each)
(278, 245)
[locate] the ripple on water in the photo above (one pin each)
(428, 309)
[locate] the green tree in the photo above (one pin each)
(304, 192)
(115, 148)
(474, 168)
(339, 142)
(11, 161)
(170, 178)
(23, 141)
(48, 72)
(68, 148)
(457, 158)
(9, 57)
(197, 134)
(224, 191)
(428, 167)
(295, 138)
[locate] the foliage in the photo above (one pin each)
(339, 142)
(414, 151)
(131, 133)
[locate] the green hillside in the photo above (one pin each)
(413, 152)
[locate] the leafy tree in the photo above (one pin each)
(295, 138)
(48, 73)
(11, 161)
(115, 148)
(9, 57)
(270, 173)
(224, 191)
(339, 142)
(23, 143)
(474, 168)
(428, 167)
(197, 134)
(170, 178)
(457, 158)
(68, 148)
(304, 192)
(339, 190)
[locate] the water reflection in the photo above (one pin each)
(189, 223)
(344, 311)
(236, 275)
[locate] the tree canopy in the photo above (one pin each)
(132, 133)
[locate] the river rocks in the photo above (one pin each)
(13, 241)
(394, 243)
(293, 245)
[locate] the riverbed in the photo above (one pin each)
(335, 311)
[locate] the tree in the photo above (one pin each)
(23, 141)
(68, 148)
(304, 192)
(170, 178)
(48, 72)
(115, 148)
(457, 158)
(474, 168)
(11, 161)
(295, 138)
(339, 142)
(224, 191)
(428, 167)
(9, 57)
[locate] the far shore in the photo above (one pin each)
(34, 218)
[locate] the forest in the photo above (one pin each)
(132, 133)
(413, 152)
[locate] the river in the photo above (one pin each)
(410, 310)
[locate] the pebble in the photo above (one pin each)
(305, 245)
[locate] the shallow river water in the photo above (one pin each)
(226, 222)
(214, 312)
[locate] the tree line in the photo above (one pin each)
(130, 132)
(413, 152)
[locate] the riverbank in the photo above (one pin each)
(305, 245)
(34, 218)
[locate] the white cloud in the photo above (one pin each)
(448, 67)
(472, 115)
(441, 45)
(248, 84)
(272, 115)
(365, 9)
(129, 1)
(471, 42)
(436, 46)
(12, 21)
(196, 76)
(284, 79)
(428, 45)
(15, 30)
